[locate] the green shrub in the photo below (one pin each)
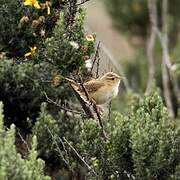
(50, 131)
(22, 87)
(18, 35)
(59, 49)
(142, 145)
(12, 165)
(154, 139)
(45, 129)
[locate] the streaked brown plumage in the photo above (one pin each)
(100, 90)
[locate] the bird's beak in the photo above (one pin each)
(120, 77)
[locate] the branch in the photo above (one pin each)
(151, 45)
(23, 140)
(96, 56)
(79, 156)
(87, 106)
(61, 107)
(82, 2)
(97, 69)
(100, 121)
(74, 150)
(166, 64)
(84, 104)
(83, 88)
(109, 110)
(58, 149)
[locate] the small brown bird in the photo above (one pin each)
(101, 90)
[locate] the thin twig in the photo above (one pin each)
(109, 110)
(94, 107)
(61, 107)
(87, 108)
(82, 2)
(97, 69)
(84, 104)
(83, 87)
(23, 140)
(58, 149)
(100, 121)
(80, 157)
(95, 56)
(64, 147)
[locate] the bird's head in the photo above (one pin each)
(111, 78)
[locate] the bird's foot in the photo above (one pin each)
(96, 107)
(99, 110)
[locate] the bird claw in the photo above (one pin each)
(99, 110)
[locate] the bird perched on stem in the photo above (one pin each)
(100, 90)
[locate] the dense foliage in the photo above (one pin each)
(22, 87)
(142, 145)
(12, 165)
(41, 42)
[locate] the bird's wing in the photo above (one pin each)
(92, 86)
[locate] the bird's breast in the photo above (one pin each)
(104, 94)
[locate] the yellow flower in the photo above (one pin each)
(48, 7)
(33, 50)
(48, 10)
(34, 3)
(90, 38)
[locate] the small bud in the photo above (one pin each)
(85, 58)
(24, 19)
(35, 24)
(85, 49)
(41, 19)
(90, 38)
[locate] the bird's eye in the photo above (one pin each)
(113, 79)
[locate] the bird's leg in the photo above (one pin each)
(99, 108)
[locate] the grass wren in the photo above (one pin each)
(101, 90)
